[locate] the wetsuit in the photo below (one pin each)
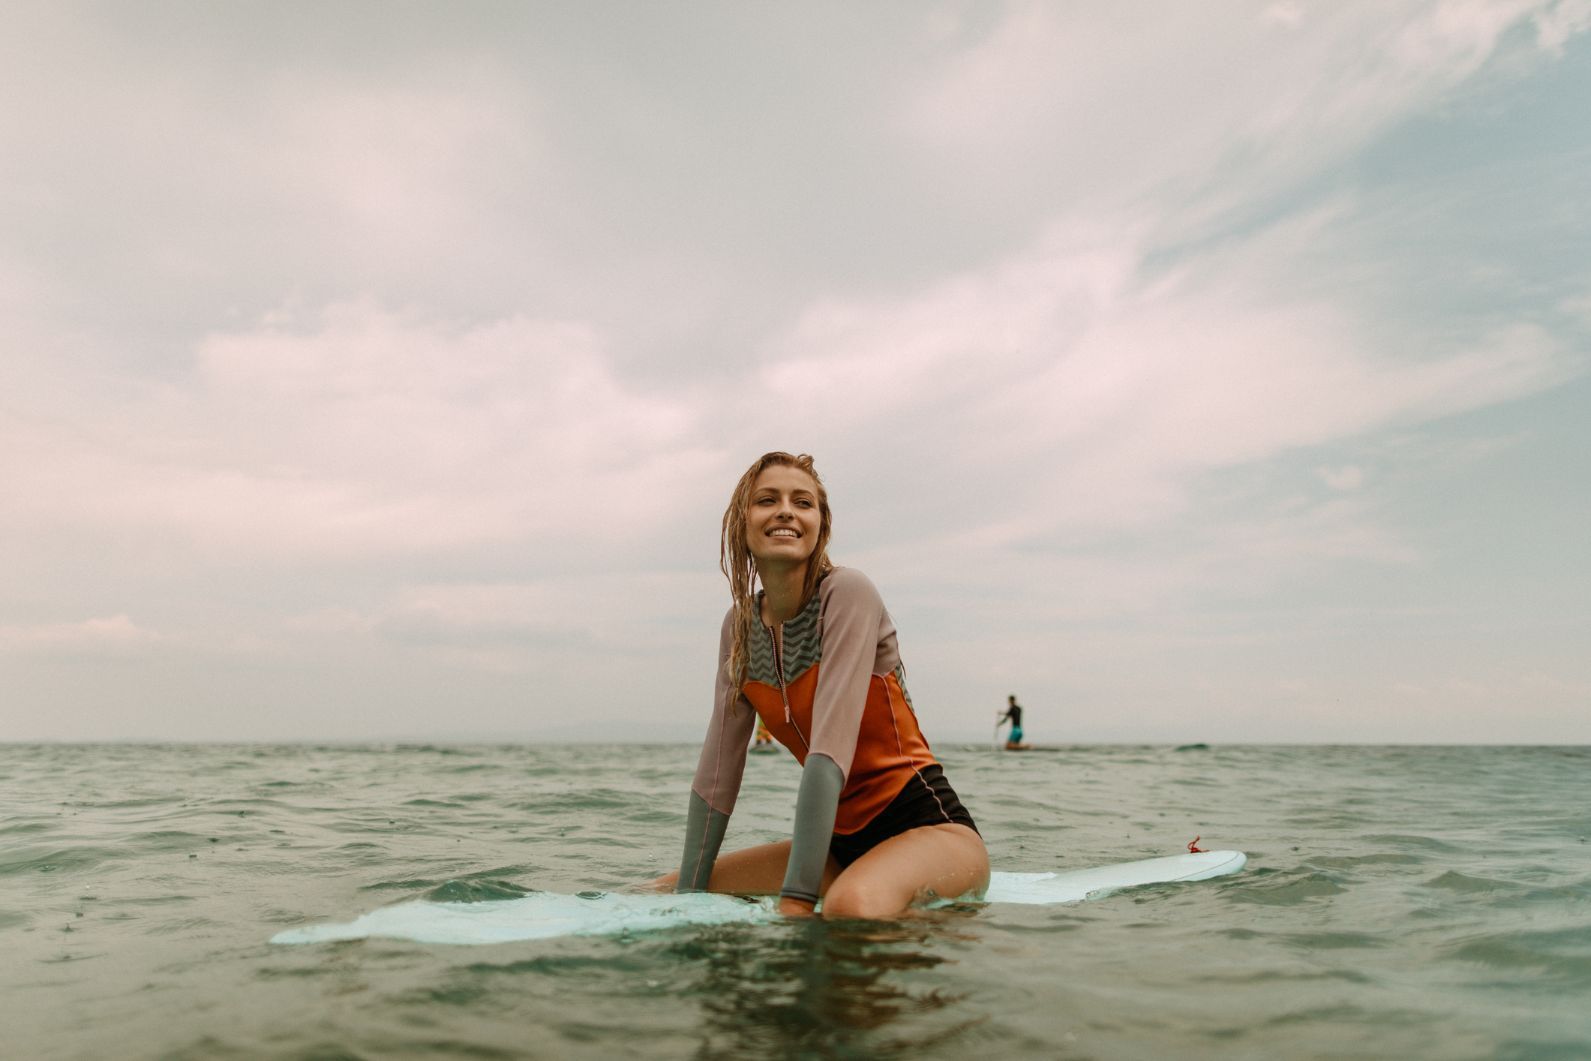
(1014, 713)
(830, 687)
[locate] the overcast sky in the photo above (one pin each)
(1193, 371)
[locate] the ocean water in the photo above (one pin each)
(1400, 902)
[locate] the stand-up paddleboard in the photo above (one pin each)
(545, 915)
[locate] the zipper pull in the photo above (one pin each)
(778, 670)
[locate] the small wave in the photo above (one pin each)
(383, 825)
(601, 841)
(233, 805)
(1312, 941)
(557, 965)
(302, 972)
(56, 860)
(166, 840)
(1423, 843)
(1286, 887)
(125, 804)
(461, 995)
(1465, 884)
(599, 799)
(1381, 858)
(476, 891)
(494, 875)
(1273, 976)
(400, 885)
(1536, 1049)
(27, 827)
(1563, 956)
(149, 900)
(183, 924)
(1578, 892)
(1317, 821)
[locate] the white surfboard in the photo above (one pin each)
(545, 915)
(1076, 885)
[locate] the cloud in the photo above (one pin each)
(186, 185)
(1346, 478)
(1219, 108)
(560, 630)
(106, 636)
(360, 432)
(1556, 24)
(1098, 387)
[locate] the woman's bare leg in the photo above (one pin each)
(751, 871)
(935, 860)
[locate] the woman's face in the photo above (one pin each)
(783, 521)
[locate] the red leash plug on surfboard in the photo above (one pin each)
(1193, 846)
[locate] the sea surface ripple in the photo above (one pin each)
(1412, 902)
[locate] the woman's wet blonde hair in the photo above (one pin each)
(735, 558)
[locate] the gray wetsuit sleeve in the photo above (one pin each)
(718, 773)
(816, 804)
(704, 835)
(854, 625)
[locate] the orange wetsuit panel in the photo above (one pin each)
(889, 747)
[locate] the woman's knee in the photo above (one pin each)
(863, 899)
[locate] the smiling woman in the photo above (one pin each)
(814, 656)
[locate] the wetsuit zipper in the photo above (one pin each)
(778, 670)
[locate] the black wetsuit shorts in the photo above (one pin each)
(927, 799)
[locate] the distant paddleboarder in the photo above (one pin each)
(1013, 712)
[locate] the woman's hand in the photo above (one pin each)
(795, 907)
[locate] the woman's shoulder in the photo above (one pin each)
(847, 583)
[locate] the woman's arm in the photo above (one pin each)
(853, 617)
(718, 773)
